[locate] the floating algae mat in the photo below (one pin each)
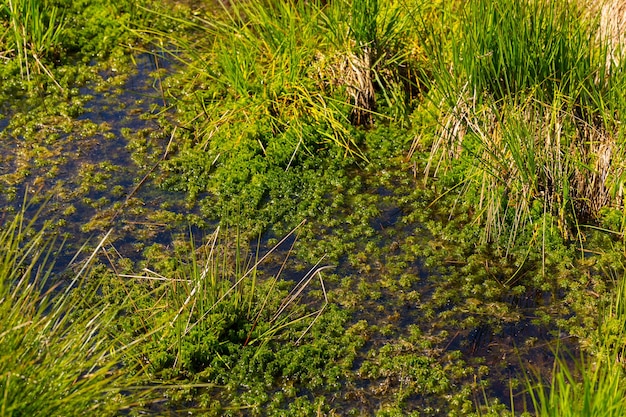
(80, 165)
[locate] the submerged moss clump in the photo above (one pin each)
(231, 336)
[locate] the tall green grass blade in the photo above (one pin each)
(527, 115)
(36, 31)
(57, 356)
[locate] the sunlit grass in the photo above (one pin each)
(57, 356)
(596, 384)
(529, 115)
(210, 297)
(97, 343)
(529, 136)
(304, 71)
(31, 34)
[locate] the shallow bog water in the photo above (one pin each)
(97, 172)
(81, 166)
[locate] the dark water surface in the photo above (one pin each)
(90, 181)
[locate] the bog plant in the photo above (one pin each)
(209, 302)
(273, 94)
(57, 356)
(96, 343)
(596, 384)
(529, 116)
(229, 336)
(31, 34)
(278, 69)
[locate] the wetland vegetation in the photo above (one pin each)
(293, 208)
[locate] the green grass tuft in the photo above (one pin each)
(57, 356)
(529, 116)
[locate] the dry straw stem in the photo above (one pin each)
(524, 152)
(601, 168)
(546, 131)
(358, 79)
(354, 73)
(612, 26)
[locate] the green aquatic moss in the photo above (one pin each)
(224, 362)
